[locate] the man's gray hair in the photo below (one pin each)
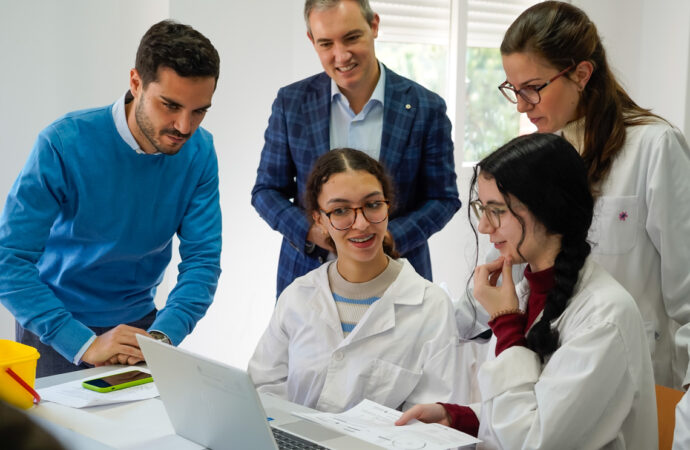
(320, 5)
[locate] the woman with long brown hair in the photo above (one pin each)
(638, 166)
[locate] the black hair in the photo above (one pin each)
(178, 47)
(342, 160)
(547, 175)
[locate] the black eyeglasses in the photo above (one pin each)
(530, 94)
(343, 218)
(493, 216)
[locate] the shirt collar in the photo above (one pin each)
(378, 94)
(120, 119)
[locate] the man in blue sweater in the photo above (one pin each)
(86, 232)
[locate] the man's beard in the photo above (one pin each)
(149, 131)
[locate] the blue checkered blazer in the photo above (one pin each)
(416, 150)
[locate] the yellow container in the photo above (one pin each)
(21, 360)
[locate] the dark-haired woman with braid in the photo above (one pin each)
(638, 167)
(568, 364)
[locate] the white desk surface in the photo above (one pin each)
(135, 425)
(123, 425)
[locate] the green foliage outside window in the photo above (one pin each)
(423, 63)
(491, 120)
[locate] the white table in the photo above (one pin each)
(135, 425)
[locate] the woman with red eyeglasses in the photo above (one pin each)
(638, 167)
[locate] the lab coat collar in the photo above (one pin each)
(407, 289)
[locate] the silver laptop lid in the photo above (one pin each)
(208, 402)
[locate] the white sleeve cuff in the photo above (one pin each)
(77, 358)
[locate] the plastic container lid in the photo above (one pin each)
(15, 353)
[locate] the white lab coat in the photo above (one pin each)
(405, 349)
(681, 432)
(595, 391)
(640, 231)
(640, 235)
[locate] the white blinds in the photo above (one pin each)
(428, 21)
(488, 20)
(417, 21)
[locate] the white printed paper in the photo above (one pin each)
(375, 423)
(73, 394)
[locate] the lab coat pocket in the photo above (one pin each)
(615, 225)
(390, 384)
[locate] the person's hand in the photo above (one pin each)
(495, 298)
(119, 344)
(428, 413)
(121, 359)
(319, 237)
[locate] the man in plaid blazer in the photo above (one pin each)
(411, 139)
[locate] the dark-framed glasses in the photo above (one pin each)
(530, 94)
(493, 213)
(344, 217)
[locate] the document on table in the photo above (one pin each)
(375, 423)
(75, 395)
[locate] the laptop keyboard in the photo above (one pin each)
(287, 441)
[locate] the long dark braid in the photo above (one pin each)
(574, 251)
(547, 175)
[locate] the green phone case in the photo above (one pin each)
(117, 387)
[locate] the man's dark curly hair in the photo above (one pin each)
(179, 47)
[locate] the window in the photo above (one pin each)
(414, 40)
(451, 48)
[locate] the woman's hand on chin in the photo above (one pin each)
(495, 298)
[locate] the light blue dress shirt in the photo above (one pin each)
(359, 131)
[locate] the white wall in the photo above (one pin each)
(57, 57)
(648, 46)
(259, 51)
(60, 56)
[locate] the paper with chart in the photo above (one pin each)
(73, 394)
(375, 423)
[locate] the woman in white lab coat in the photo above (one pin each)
(568, 364)
(365, 326)
(638, 166)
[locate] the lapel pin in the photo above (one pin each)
(408, 106)
(622, 216)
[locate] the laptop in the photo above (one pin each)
(216, 405)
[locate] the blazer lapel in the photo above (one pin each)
(317, 111)
(399, 111)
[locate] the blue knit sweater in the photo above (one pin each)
(86, 232)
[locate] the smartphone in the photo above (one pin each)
(119, 381)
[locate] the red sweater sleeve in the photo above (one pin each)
(509, 330)
(462, 418)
